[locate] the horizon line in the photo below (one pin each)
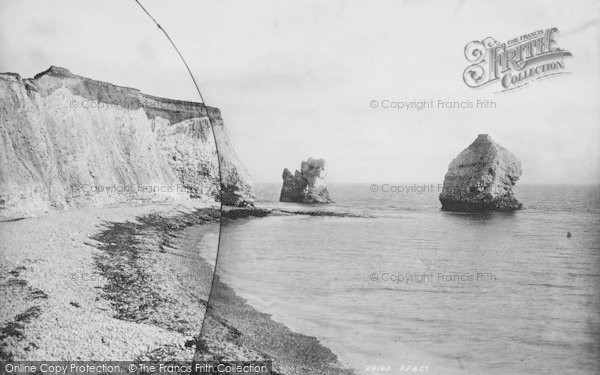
(440, 183)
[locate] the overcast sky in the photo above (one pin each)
(295, 79)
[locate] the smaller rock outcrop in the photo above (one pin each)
(482, 177)
(307, 185)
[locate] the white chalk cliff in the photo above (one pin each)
(68, 140)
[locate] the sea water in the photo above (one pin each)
(400, 285)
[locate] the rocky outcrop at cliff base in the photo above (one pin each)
(307, 185)
(482, 177)
(68, 140)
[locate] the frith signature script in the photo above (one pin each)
(516, 62)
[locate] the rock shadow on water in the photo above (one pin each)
(480, 217)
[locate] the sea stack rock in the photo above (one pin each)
(481, 178)
(307, 185)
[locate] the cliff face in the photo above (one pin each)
(482, 177)
(69, 140)
(307, 185)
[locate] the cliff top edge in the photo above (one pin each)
(64, 73)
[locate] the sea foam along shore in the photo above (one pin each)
(113, 283)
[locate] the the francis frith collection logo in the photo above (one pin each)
(514, 63)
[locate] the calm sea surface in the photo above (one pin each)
(406, 284)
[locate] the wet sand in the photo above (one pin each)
(234, 330)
